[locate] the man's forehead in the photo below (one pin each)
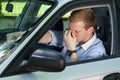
(78, 23)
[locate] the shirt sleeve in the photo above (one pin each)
(57, 38)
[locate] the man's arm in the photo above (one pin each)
(70, 42)
(74, 57)
(47, 38)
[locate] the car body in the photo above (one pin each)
(21, 57)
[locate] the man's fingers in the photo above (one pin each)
(66, 32)
(69, 33)
(73, 34)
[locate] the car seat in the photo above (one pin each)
(58, 26)
(103, 31)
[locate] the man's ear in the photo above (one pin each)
(91, 29)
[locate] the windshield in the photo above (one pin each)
(16, 20)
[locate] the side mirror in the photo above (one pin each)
(46, 60)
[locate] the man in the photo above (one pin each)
(80, 41)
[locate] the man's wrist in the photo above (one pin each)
(70, 52)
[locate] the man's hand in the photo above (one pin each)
(70, 40)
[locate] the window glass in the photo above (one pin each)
(43, 9)
(16, 20)
(8, 31)
(7, 19)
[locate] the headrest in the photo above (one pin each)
(102, 27)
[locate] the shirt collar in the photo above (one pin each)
(86, 45)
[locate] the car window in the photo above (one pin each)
(102, 23)
(8, 31)
(8, 15)
(17, 18)
(102, 28)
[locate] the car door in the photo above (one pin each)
(94, 69)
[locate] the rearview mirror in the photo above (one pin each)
(46, 60)
(9, 7)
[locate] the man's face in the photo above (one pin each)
(80, 32)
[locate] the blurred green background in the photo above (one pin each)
(7, 19)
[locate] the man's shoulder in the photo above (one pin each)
(97, 45)
(97, 48)
(97, 42)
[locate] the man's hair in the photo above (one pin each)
(85, 15)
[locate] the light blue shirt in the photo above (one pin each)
(89, 50)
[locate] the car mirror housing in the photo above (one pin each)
(46, 60)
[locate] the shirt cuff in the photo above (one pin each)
(54, 39)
